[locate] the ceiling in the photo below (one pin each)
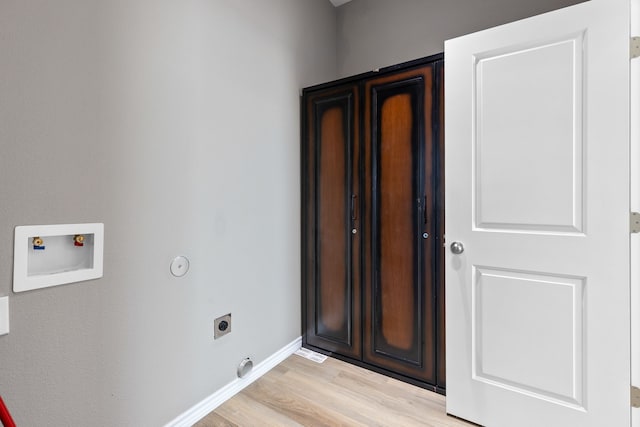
(337, 3)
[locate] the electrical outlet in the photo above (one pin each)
(222, 326)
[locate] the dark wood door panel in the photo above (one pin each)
(331, 250)
(399, 283)
(333, 245)
(395, 303)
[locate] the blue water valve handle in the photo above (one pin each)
(38, 244)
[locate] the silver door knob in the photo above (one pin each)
(457, 248)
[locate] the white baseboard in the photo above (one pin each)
(200, 410)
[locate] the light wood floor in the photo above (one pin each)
(299, 392)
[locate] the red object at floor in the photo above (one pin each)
(5, 416)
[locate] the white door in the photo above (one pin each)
(537, 194)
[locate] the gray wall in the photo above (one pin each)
(176, 123)
(377, 33)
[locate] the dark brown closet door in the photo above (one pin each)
(331, 246)
(399, 306)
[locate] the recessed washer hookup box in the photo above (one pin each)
(51, 255)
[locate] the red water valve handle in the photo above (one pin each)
(5, 416)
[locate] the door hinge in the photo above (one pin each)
(634, 222)
(635, 397)
(635, 47)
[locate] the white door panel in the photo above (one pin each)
(537, 190)
(515, 312)
(540, 202)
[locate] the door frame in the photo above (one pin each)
(634, 178)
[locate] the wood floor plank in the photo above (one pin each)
(325, 396)
(246, 411)
(299, 407)
(215, 420)
(350, 394)
(299, 392)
